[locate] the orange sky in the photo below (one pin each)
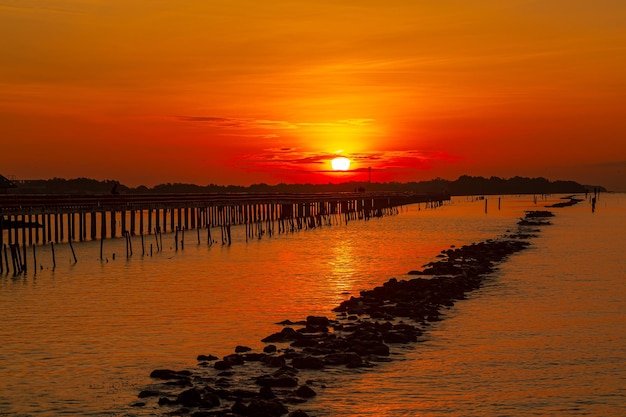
(243, 91)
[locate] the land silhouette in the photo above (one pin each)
(464, 185)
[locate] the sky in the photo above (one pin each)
(245, 91)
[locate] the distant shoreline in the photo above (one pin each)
(464, 185)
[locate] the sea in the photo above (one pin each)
(544, 336)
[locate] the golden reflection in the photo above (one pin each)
(342, 263)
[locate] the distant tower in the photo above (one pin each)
(369, 175)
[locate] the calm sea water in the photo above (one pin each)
(545, 336)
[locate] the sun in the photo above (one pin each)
(341, 163)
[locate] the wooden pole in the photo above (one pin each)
(54, 261)
(34, 260)
(113, 223)
(13, 259)
(92, 217)
(141, 222)
(1, 241)
(58, 227)
(6, 257)
(73, 254)
(23, 247)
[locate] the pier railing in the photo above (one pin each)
(22, 204)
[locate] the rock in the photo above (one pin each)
(254, 357)
(239, 408)
(274, 361)
(148, 393)
(189, 398)
(305, 391)
(277, 381)
(298, 413)
(307, 362)
(266, 408)
(269, 349)
(206, 358)
(166, 401)
(212, 399)
(241, 349)
(266, 393)
(287, 334)
(222, 365)
(169, 374)
(234, 359)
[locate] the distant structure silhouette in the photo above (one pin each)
(5, 184)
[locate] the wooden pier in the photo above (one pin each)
(32, 220)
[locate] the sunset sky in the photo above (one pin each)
(247, 91)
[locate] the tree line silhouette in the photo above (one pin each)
(464, 185)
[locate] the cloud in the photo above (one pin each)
(289, 158)
(243, 123)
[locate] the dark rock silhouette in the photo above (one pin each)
(366, 327)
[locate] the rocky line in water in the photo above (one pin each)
(290, 370)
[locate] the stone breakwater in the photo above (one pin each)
(292, 367)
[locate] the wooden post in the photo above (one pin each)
(30, 229)
(72, 248)
(1, 241)
(132, 222)
(34, 260)
(13, 259)
(123, 221)
(103, 225)
(54, 261)
(6, 257)
(113, 223)
(23, 261)
(56, 227)
(49, 228)
(93, 225)
(36, 230)
(81, 225)
(141, 222)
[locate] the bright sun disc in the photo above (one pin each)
(340, 163)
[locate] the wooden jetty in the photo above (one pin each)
(31, 220)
